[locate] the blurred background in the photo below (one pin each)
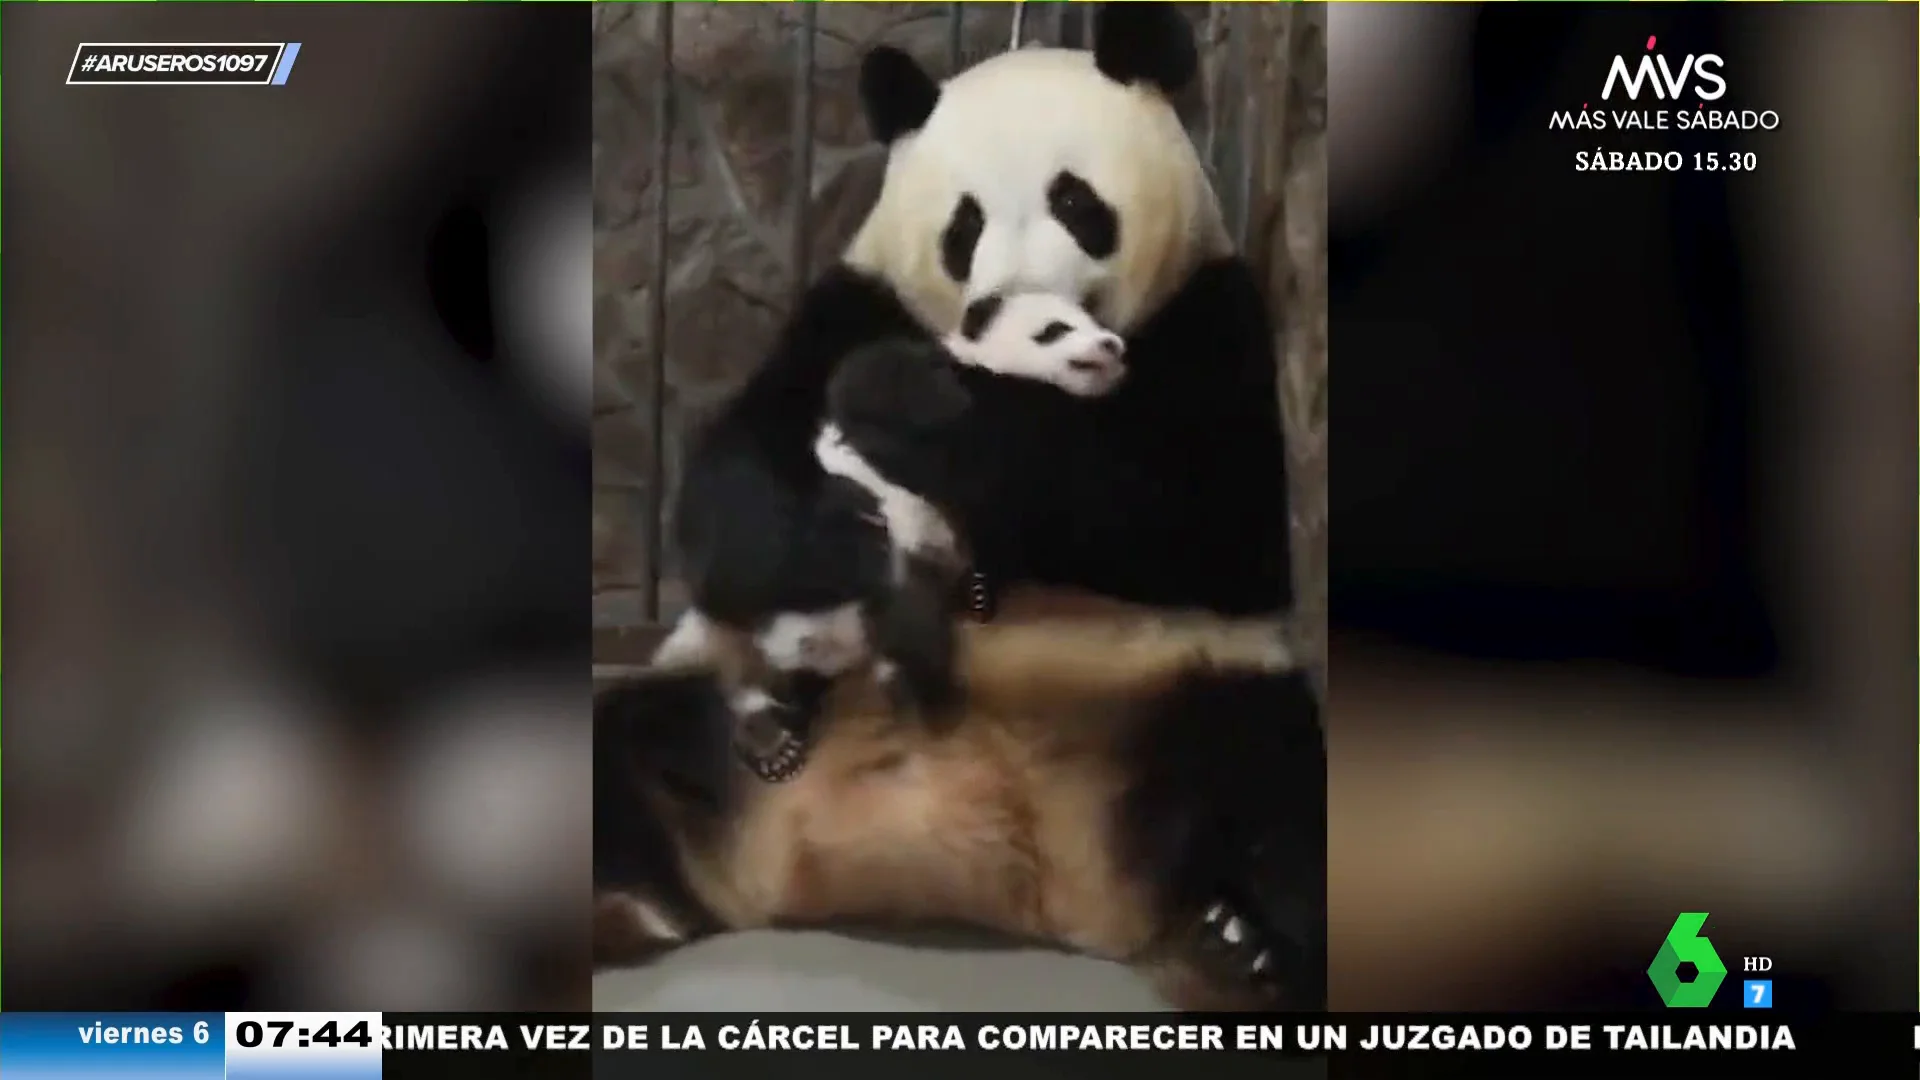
(295, 414)
(1623, 576)
(1621, 608)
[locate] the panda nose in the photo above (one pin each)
(979, 313)
(1106, 353)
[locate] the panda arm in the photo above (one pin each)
(784, 400)
(1216, 451)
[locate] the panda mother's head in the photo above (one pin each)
(1053, 170)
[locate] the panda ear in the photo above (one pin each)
(1150, 43)
(896, 92)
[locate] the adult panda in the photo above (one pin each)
(1047, 170)
(1158, 802)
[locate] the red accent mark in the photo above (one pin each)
(1650, 40)
(1583, 104)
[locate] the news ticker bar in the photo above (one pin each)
(365, 1045)
(182, 63)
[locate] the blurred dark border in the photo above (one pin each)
(1580, 431)
(264, 429)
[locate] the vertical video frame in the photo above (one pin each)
(959, 533)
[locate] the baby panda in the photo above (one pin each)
(1039, 336)
(1150, 790)
(901, 452)
(901, 429)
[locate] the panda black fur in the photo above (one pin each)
(1046, 170)
(1151, 791)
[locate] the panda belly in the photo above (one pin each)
(1105, 789)
(970, 829)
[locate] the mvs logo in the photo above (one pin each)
(1686, 945)
(1702, 72)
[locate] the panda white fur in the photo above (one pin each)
(1040, 170)
(898, 443)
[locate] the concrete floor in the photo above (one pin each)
(817, 971)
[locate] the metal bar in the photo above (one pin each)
(1244, 18)
(1019, 24)
(801, 215)
(956, 35)
(1059, 9)
(1216, 89)
(657, 314)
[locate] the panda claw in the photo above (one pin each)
(783, 763)
(775, 752)
(1239, 950)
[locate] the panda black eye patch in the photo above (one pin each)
(1084, 214)
(961, 237)
(1051, 333)
(978, 316)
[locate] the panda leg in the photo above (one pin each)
(1228, 958)
(913, 632)
(1227, 816)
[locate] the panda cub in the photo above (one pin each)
(894, 448)
(898, 429)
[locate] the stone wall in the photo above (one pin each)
(730, 247)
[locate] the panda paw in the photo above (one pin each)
(1237, 948)
(769, 737)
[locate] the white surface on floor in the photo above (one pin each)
(812, 971)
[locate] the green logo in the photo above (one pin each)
(1685, 944)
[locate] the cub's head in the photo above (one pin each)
(1062, 171)
(1042, 337)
